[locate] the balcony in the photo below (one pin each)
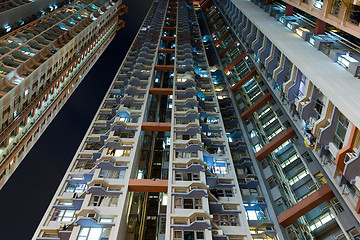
(94, 222)
(352, 166)
(194, 225)
(354, 15)
(103, 190)
(93, 145)
(194, 193)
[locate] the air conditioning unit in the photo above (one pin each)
(279, 202)
(349, 156)
(250, 179)
(92, 215)
(217, 232)
(106, 234)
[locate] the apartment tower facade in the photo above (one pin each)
(43, 62)
(227, 119)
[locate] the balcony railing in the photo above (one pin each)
(354, 16)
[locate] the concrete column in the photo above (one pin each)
(256, 106)
(25, 120)
(16, 130)
(234, 62)
(319, 27)
(340, 155)
(6, 143)
(275, 143)
(304, 206)
(357, 208)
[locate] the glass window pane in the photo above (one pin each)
(189, 235)
(200, 235)
(252, 215)
(84, 232)
(95, 233)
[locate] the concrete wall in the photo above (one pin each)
(13, 15)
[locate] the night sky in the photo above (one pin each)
(26, 196)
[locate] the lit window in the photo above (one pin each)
(226, 219)
(275, 133)
(87, 233)
(257, 147)
(298, 177)
(7, 28)
(75, 187)
(63, 215)
(119, 152)
(289, 160)
(264, 112)
(194, 235)
(320, 221)
(282, 146)
(269, 122)
(341, 129)
(112, 174)
(255, 215)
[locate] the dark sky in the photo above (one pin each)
(26, 196)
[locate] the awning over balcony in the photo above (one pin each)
(190, 116)
(90, 222)
(189, 148)
(189, 131)
(120, 128)
(77, 203)
(86, 178)
(191, 168)
(195, 193)
(218, 208)
(196, 225)
(110, 166)
(98, 190)
(116, 145)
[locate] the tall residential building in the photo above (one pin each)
(229, 120)
(42, 63)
